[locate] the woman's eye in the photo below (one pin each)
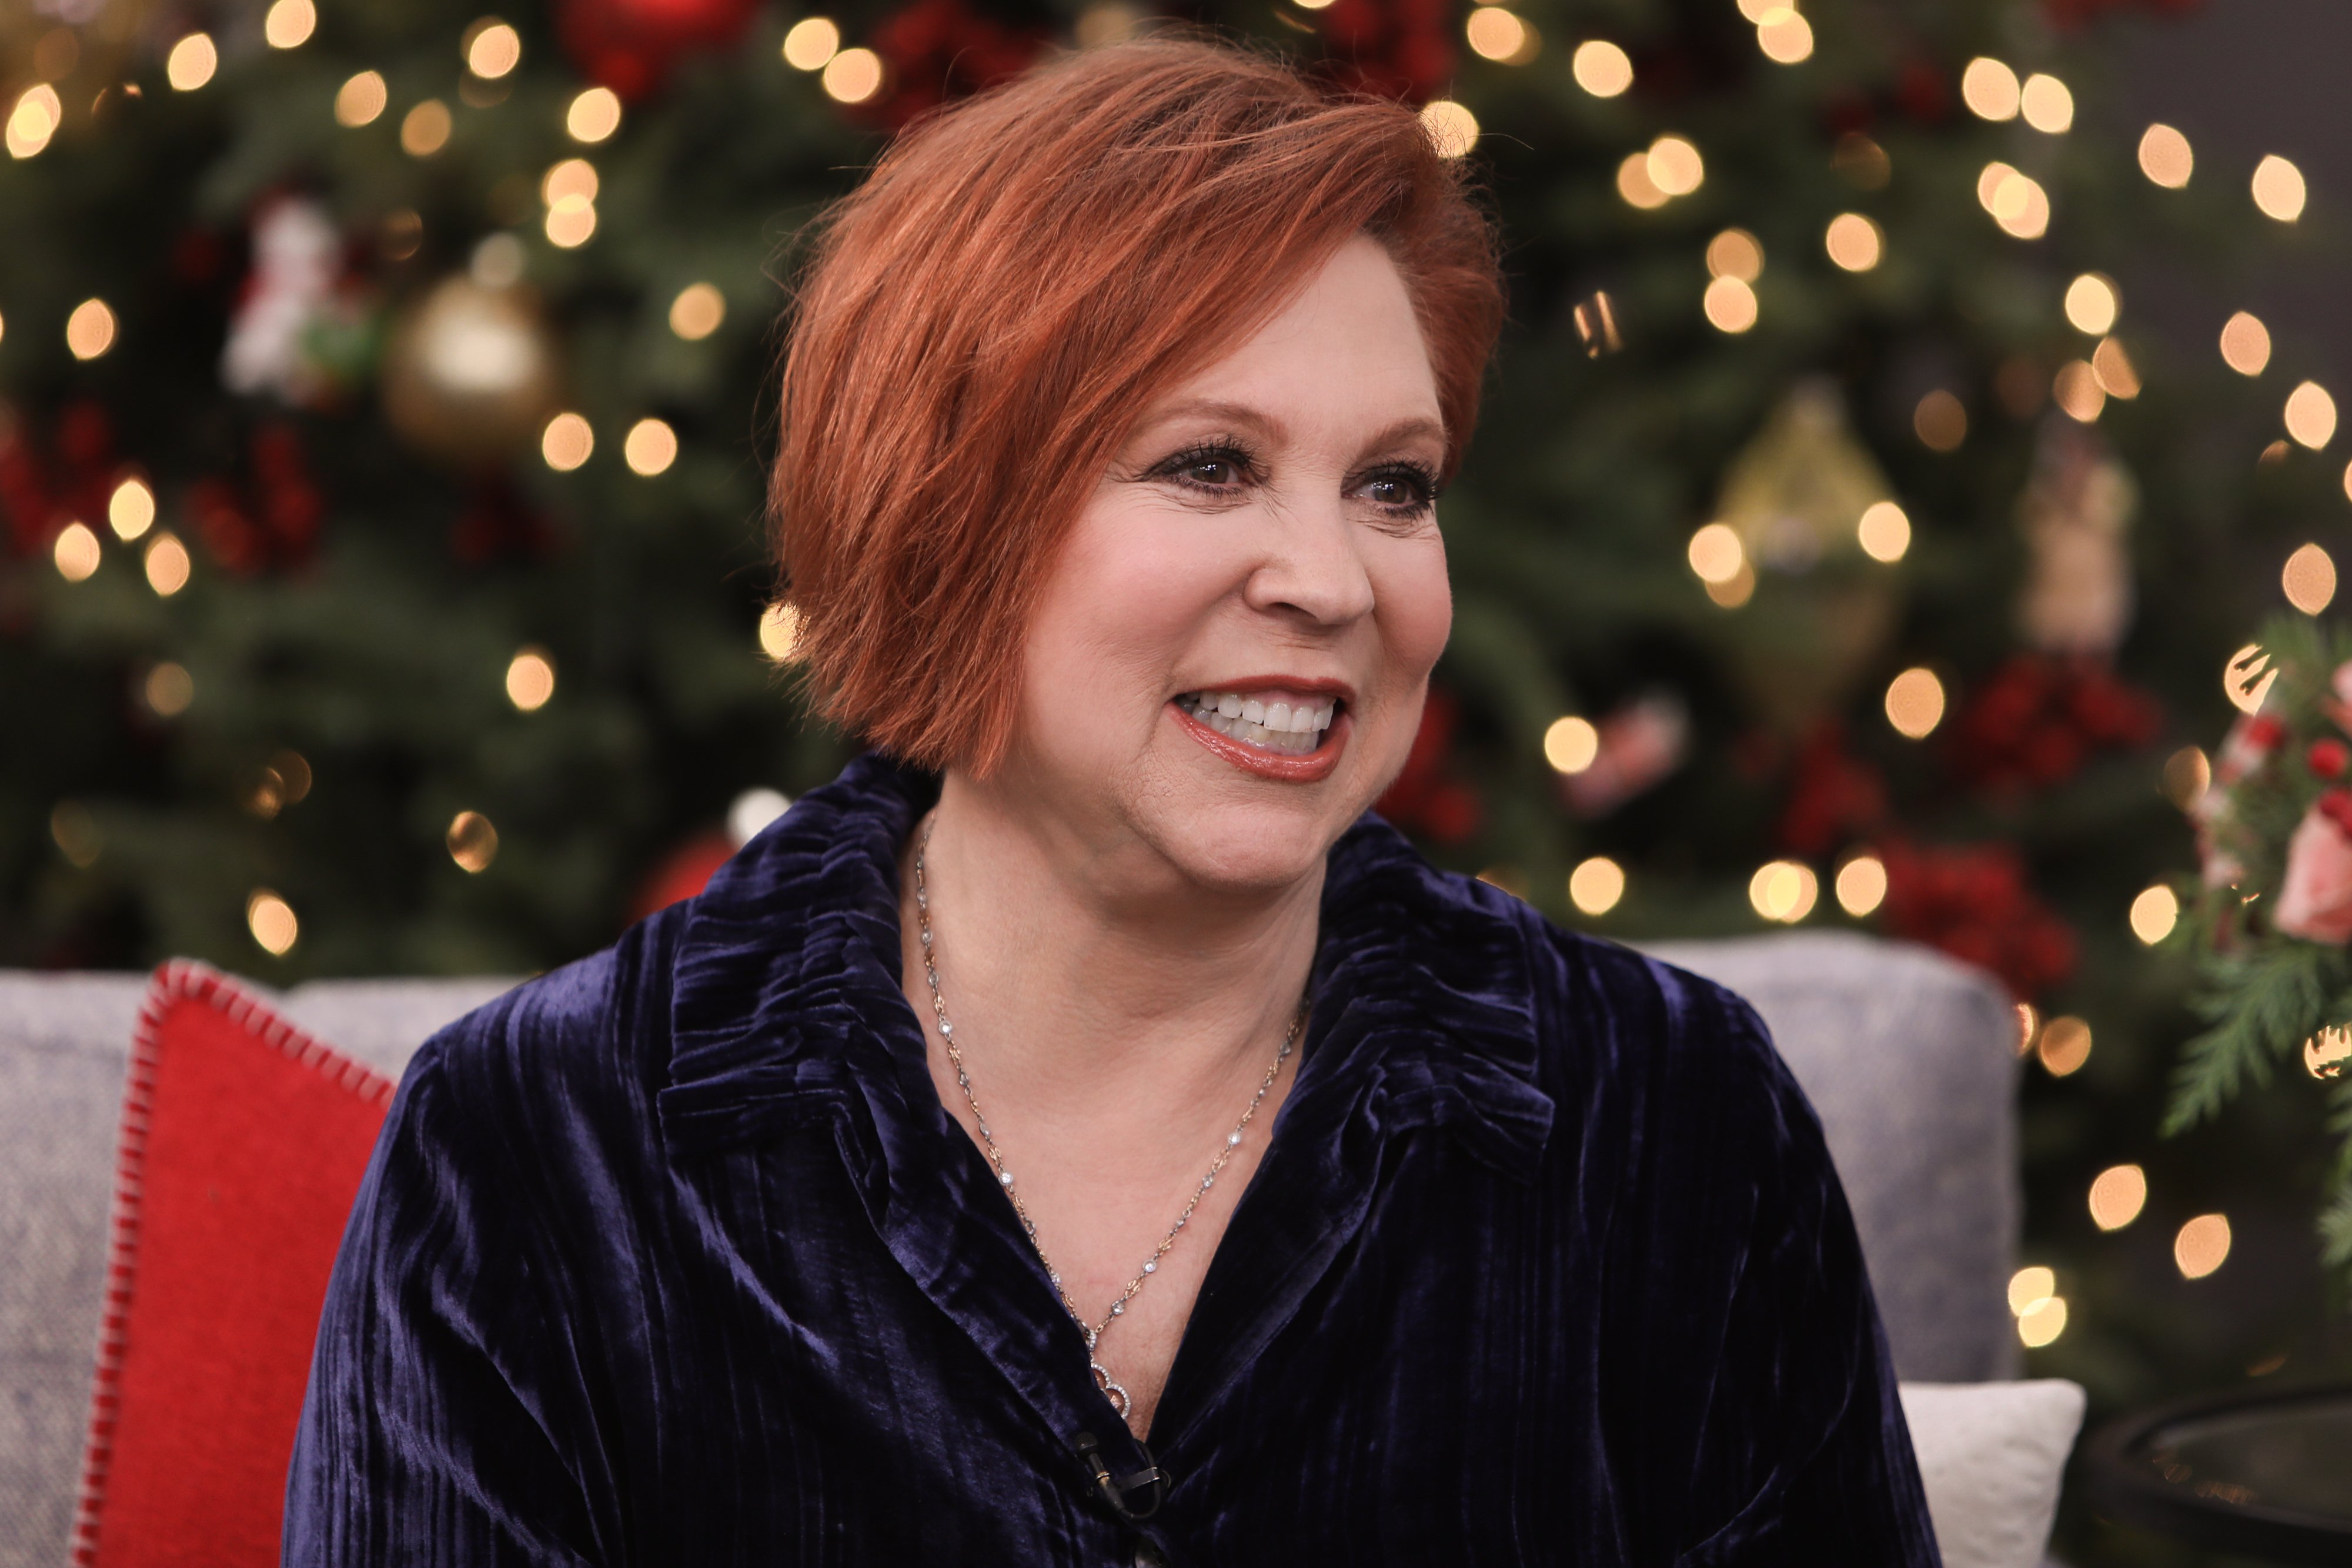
(1398, 490)
(1216, 472)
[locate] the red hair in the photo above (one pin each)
(985, 318)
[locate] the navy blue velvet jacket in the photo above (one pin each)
(673, 1256)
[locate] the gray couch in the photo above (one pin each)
(1905, 1054)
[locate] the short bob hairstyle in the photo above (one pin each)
(982, 323)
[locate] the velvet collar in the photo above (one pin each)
(786, 990)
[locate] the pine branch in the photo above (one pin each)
(2264, 1005)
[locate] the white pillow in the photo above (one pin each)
(1992, 1456)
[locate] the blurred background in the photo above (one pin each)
(1909, 409)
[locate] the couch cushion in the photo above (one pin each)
(1909, 1058)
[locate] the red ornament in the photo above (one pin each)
(1973, 901)
(2041, 716)
(2327, 758)
(630, 45)
(682, 874)
(273, 519)
(1833, 796)
(1423, 800)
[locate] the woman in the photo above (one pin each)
(1079, 1135)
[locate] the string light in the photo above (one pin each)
(780, 632)
(472, 841)
(290, 23)
(1915, 704)
(2076, 389)
(1854, 242)
(2188, 773)
(1501, 36)
(1786, 37)
(531, 678)
(1570, 743)
(2279, 190)
(1451, 128)
(1735, 253)
(2246, 677)
(853, 76)
(2165, 157)
(492, 48)
(1990, 89)
(131, 511)
(2113, 370)
(191, 62)
(77, 552)
(696, 311)
(2091, 304)
(2117, 1195)
(2310, 415)
(810, 43)
(425, 130)
(566, 443)
(169, 689)
(2029, 1288)
(593, 116)
(2044, 1324)
(271, 920)
(1596, 885)
(2029, 1027)
(2154, 913)
(2309, 580)
(752, 810)
(2017, 201)
(1940, 421)
(2201, 1245)
(1716, 554)
(2047, 105)
(362, 100)
(650, 447)
(33, 120)
(1601, 68)
(167, 564)
(2064, 1045)
(1884, 532)
(1783, 891)
(569, 190)
(1730, 305)
(2327, 1054)
(1634, 184)
(1861, 885)
(1676, 166)
(90, 330)
(2246, 344)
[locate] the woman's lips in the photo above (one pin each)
(1288, 767)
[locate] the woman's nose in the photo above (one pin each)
(1314, 566)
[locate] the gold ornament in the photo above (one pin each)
(471, 373)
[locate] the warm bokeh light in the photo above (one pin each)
(2117, 1194)
(1736, 590)
(696, 311)
(77, 552)
(131, 511)
(1785, 36)
(2044, 1324)
(650, 447)
(2165, 157)
(90, 330)
(2046, 103)
(749, 814)
(2076, 389)
(1634, 184)
(593, 116)
(2310, 415)
(572, 177)
(1596, 885)
(290, 23)
(2279, 189)
(571, 222)
(2246, 344)
(566, 443)
(1675, 167)
(1496, 34)
(2091, 304)
(1861, 885)
(473, 842)
(531, 678)
(271, 920)
(76, 833)
(2064, 1045)
(1601, 68)
(425, 130)
(1570, 743)
(1730, 305)
(2029, 1027)
(2202, 1246)
(169, 689)
(2154, 913)
(493, 49)
(2113, 370)
(2187, 774)
(2016, 201)
(780, 632)
(1940, 421)
(2246, 678)
(2327, 1054)
(2309, 579)
(1915, 704)
(191, 62)
(361, 100)
(853, 76)
(1854, 242)
(1716, 553)
(2029, 1286)
(1884, 532)
(1735, 253)
(33, 120)
(167, 564)
(1784, 891)
(1451, 129)
(1990, 88)
(811, 41)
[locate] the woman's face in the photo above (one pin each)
(1229, 659)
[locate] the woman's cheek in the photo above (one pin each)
(1414, 601)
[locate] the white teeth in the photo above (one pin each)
(1230, 706)
(1254, 711)
(1323, 718)
(1278, 717)
(1282, 726)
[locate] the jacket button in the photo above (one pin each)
(1147, 1555)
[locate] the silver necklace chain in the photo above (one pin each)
(1094, 1333)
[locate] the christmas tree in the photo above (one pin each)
(381, 448)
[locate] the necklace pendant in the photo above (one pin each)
(1111, 1387)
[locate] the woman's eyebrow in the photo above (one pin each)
(1237, 413)
(1411, 429)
